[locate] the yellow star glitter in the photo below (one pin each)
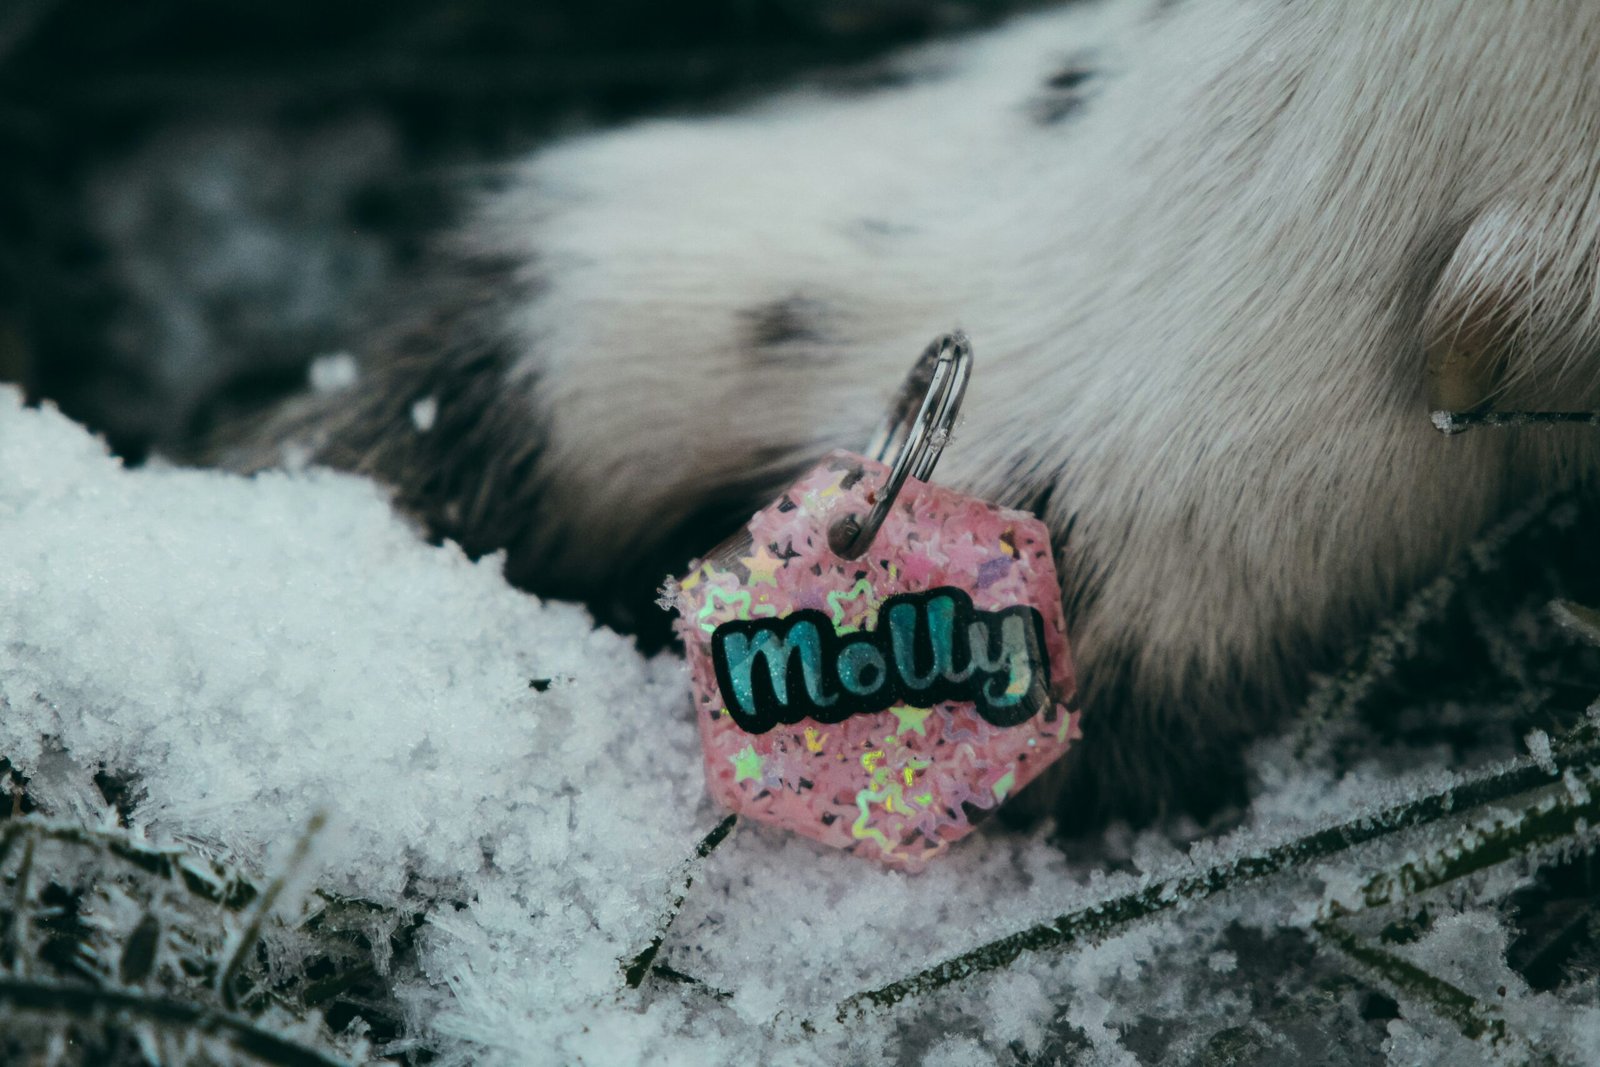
(813, 500)
(763, 567)
(911, 719)
(813, 741)
(747, 764)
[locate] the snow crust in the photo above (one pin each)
(254, 652)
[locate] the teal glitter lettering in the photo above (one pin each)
(927, 648)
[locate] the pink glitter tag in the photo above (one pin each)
(888, 703)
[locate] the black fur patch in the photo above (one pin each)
(1064, 93)
(793, 320)
(884, 228)
(1068, 79)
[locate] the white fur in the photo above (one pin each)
(1199, 306)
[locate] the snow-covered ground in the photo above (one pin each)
(254, 655)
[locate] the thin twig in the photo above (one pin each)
(1473, 849)
(16, 933)
(1471, 1016)
(1488, 844)
(635, 969)
(1453, 422)
(228, 891)
(1101, 919)
(98, 1003)
(252, 930)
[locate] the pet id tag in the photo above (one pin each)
(878, 663)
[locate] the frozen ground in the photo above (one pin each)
(390, 767)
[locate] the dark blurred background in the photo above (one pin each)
(197, 197)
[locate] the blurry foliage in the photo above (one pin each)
(105, 100)
(112, 952)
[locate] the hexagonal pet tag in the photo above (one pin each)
(878, 663)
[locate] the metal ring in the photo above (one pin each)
(933, 392)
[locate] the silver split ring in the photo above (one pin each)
(919, 423)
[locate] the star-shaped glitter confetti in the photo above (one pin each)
(763, 567)
(898, 785)
(813, 501)
(910, 718)
(966, 554)
(836, 601)
(739, 600)
(747, 764)
(694, 579)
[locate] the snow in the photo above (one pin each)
(1468, 950)
(262, 650)
(423, 412)
(333, 372)
(259, 653)
(1539, 749)
(1443, 421)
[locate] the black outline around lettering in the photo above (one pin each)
(769, 711)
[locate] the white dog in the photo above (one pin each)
(1212, 254)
